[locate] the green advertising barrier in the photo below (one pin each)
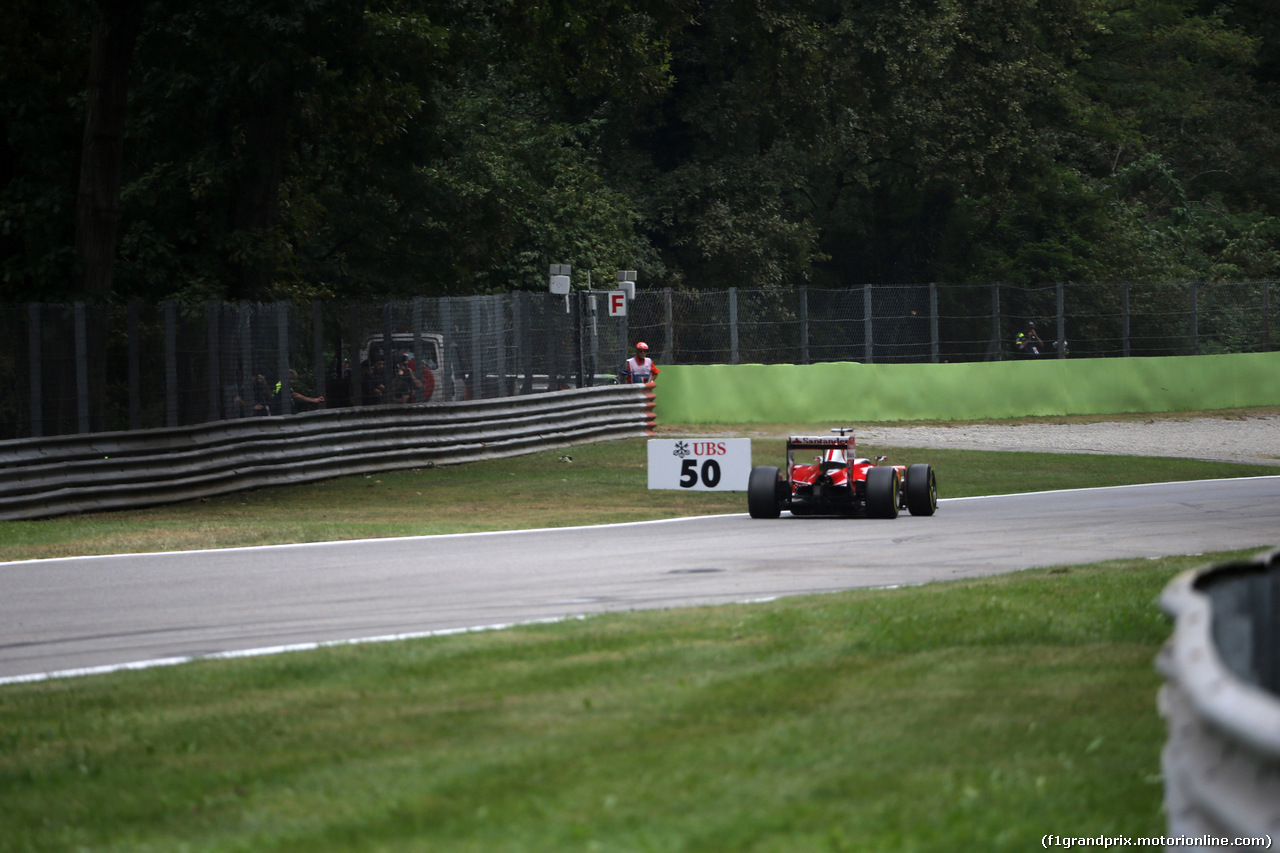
(861, 393)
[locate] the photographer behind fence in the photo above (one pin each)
(1028, 343)
(408, 387)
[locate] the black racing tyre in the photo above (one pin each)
(883, 488)
(762, 493)
(922, 490)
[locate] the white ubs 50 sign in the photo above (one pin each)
(700, 464)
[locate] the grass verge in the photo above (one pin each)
(975, 714)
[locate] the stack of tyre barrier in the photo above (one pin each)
(44, 477)
(1221, 700)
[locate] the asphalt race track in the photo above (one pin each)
(71, 614)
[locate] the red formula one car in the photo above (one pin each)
(836, 482)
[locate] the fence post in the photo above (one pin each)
(213, 340)
(248, 365)
(1124, 318)
(524, 339)
(477, 352)
(1266, 316)
(668, 345)
(321, 384)
(1061, 343)
(82, 369)
(1195, 318)
(804, 324)
(449, 347)
(170, 364)
(135, 368)
(594, 318)
(388, 361)
(867, 337)
(583, 307)
(933, 322)
(995, 351)
(34, 368)
(355, 372)
(282, 358)
(733, 325)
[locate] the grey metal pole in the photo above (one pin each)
(867, 336)
(135, 368)
(1195, 318)
(416, 310)
(34, 367)
(171, 364)
(668, 346)
(1062, 321)
(733, 325)
(997, 345)
(448, 349)
(1266, 316)
(524, 340)
(477, 351)
(388, 361)
(282, 358)
(933, 322)
(213, 340)
(804, 325)
(82, 369)
(321, 386)
(1124, 319)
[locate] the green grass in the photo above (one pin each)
(970, 715)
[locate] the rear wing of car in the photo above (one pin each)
(832, 448)
(820, 442)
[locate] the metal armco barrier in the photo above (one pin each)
(1221, 700)
(41, 478)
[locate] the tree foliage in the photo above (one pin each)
(328, 148)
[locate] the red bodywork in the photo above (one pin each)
(833, 464)
(825, 476)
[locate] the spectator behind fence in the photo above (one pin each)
(301, 402)
(254, 400)
(370, 388)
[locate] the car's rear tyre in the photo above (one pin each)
(762, 493)
(883, 490)
(922, 490)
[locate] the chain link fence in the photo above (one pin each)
(81, 368)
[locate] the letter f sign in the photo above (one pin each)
(617, 303)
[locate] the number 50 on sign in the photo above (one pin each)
(700, 464)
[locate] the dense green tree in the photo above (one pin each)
(303, 148)
(1159, 167)
(44, 63)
